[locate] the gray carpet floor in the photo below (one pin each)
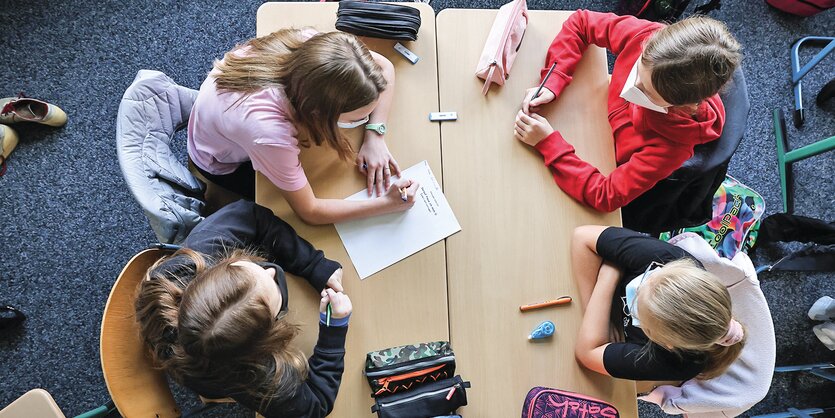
(69, 223)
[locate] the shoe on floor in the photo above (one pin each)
(823, 309)
(23, 109)
(826, 333)
(8, 142)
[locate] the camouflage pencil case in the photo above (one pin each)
(398, 369)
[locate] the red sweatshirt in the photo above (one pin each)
(649, 145)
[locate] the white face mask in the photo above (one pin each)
(349, 125)
(631, 92)
(631, 299)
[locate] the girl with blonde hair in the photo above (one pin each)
(662, 101)
(674, 316)
(290, 89)
(214, 315)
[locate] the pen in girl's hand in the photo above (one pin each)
(403, 194)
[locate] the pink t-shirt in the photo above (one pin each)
(223, 133)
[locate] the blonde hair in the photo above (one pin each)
(687, 308)
(217, 329)
(324, 76)
(691, 60)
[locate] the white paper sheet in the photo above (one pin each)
(378, 242)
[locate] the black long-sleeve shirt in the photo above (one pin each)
(245, 224)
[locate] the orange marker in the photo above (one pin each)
(561, 301)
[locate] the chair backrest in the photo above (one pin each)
(35, 403)
(152, 109)
(685, 198)
(136, 387)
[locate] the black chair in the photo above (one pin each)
(685, 198)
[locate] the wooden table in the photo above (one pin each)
(405, 303)
(513, 248)
(516, 223)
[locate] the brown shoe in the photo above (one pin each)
(8, 142)
(23, 109)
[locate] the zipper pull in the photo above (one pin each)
(451, 392)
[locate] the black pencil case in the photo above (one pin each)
(378, 20)
(435, 399)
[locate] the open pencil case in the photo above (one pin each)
(403, 368)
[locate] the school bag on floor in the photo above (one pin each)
(737, 210)
(543, 402)
(663, 10)
(801, 7)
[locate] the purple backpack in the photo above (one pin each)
(543, 402)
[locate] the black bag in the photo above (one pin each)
(662, 10)
(439, 398)
(378, 20)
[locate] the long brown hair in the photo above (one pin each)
(327, 75)
(691, 59)
(687, 308)
(216, 329)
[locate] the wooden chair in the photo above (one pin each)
(35, 403)
(136, 387)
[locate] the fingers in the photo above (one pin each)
(369, 181)
(361, 165)
(378, 180)
(539, 118)
(386, 178)
(323, 303)
(335, 283)
(340, 304)
(411, 191)
(395, 167)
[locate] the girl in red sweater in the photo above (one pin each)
(662, 100)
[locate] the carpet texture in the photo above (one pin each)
(69, 223)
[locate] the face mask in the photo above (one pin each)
(280, 281)
(349, 125)
(631, 92)
(631, 303)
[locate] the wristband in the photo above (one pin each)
(335, 322)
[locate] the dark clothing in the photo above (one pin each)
(632, 253)
(240, 181)
(244, 224)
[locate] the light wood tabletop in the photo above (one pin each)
(516, 223)
(405, 303)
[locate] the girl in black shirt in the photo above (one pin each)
(214, 315)
(676, 316)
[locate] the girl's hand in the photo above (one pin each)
(335, 281)
(340, 303)
(394, 198)
(531, 129)
(529, 104)
(375, 161)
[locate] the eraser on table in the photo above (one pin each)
(409, 55)
(544, 330)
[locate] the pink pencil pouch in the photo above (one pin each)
(543, 402)
(503, 44)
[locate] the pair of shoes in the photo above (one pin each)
(8, 142)
(10, 317)
(824, 310)
(23, 109)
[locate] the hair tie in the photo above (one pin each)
(734, 334)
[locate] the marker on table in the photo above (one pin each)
(544, 80)
(560, 301)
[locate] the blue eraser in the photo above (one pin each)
(544, 330)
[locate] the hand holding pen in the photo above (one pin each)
(538, 96)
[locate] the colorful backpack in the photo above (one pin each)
(543, 402)
(737, 210)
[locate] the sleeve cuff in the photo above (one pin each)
(322, 272)
(553, 147)
(335, 322)
(557, 82)
(332, 337)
